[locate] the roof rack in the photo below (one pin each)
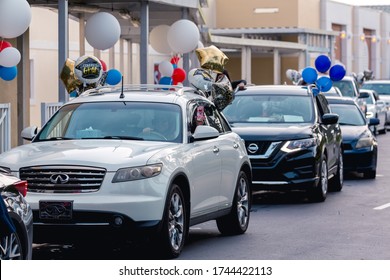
(130, 87)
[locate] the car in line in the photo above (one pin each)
(348, 86)
(382, 87)
(360, 147)
(373, 107)
(16, 219)
(292, 138)
(103, 165)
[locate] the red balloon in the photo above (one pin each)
(104, 65)
(175, 60)
(178, 75)
(4, 44)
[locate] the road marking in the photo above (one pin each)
(387, 205)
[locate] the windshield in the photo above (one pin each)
(349, 114)
(115, 120)
(379, 88)
(346, 87)
(270, 109)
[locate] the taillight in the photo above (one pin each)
(21, 186)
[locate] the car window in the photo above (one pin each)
(346, 87)
(322, 104)
(379, 88)
(270, 109)
(205, 113)
(349, 114)
(145, 120)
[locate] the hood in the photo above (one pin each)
(109, 154)
(351, 132)
(274, 132)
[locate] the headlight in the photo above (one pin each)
(137, 173)
(364, 142)
(295, 145)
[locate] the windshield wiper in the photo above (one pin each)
(122, 137)
(353, 124)
(56, 138)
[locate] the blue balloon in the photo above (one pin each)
(309, 75)
(113, 77)
(322, 63)
(165, 81)
(8, 73)
(337, 72)
(324, 84)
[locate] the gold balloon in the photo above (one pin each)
(212, 58)
(68, 76)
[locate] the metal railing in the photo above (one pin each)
(5, 127)
(48, 110)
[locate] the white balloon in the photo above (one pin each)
(158, 39)
(165, 68)
(102, 31)
(183, 36)
(15, 18)
(9, 57)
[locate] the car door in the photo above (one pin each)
(205, 164)
(229, 150)
(332, 133)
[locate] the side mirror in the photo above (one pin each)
(330, 118)
(29, 133)
(203, 132)
(373, 121)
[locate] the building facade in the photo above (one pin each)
(262, 38)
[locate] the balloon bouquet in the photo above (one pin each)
(209, 78)
(85, 73)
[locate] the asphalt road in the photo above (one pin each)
(350, 225)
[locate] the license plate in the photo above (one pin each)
(55, 210)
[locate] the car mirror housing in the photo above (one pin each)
(330, 118)
(29, 132)
(203, 132)
(373, 121)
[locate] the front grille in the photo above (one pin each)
(62, 179)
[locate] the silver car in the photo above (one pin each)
(373, 107)
(16, 219)
(382, 87)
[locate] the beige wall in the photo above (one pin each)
(238, 13)
(292, 13)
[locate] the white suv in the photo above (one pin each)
(106, 164)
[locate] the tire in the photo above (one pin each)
(11, 247)
(336, 184)
(370, 174)
(318, 194)
(237, 221)
(175, 224)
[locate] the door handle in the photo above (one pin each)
(215, 150)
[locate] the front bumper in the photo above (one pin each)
(286, 171)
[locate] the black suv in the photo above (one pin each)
(293, 141)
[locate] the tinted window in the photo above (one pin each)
(349, 114)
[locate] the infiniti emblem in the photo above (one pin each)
(59, 178)
(252, 148)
